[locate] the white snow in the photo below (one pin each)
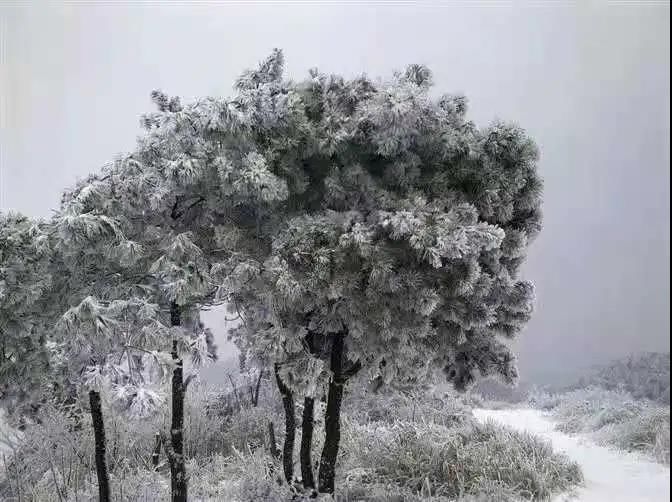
(610, 475)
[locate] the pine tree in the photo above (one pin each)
(24, 279)
(355, 225)
(145, 280)
(399, 244)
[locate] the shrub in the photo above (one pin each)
(394, 447)
(56, 454)
(423, 457)
(643, 376)
(613, 418)
(392, 407)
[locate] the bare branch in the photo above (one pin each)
(187, 381)
(168, 448)
(235, 390)
(352, 371)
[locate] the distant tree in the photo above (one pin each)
(644, 375)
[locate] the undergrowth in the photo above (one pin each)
(612, 418)
(394, 448)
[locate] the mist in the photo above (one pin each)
(590, 82)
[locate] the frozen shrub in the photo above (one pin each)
(543, 400)
(390, 407)
(404, 448)
(53, 457)
(613, 418)
(247, 429)
(457, 461)
(242, 477)
(643, 376)
(648, 432)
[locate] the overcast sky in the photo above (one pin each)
(589, 81)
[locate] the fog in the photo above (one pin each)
(589, 82)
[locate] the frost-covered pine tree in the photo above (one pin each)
(139, 283)
(24, 279)
(399, 239)
(361, 225)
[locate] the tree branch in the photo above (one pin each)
(168, 448)
(173, 211)
(352, 371)
(235, 390)
(184, 211)
(187, 381)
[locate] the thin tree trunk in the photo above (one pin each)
(332, 437)
(272, 445)
(290, 427)
(178, 471)
(235, 392)
(99, 436)
(273, 450)
(332, 418)
(157, 450)
(307, 443)
(255, 398)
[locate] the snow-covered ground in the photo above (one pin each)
(610, 475)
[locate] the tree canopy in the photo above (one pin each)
(350, 223)
(24, 278)
(358, 207)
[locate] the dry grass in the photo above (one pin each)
(404, 448)
(613, 418)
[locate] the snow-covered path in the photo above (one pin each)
(610, 475)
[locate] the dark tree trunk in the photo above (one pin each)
(332, 418)
(290, 427)
(255, 396)
(272, 445)
(99, 436)
(332, 437)
(157, 450)
(178, 471)
(307, 443)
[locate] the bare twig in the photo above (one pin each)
(168, 448)
(53, 474)
(187, 381)
(235, 390)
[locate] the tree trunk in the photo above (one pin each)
(307, 443)
(157, 450)
(99, 436)
(290, 427)
(332, 418)
(272, 446)
(255, 397)
(178, 471)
